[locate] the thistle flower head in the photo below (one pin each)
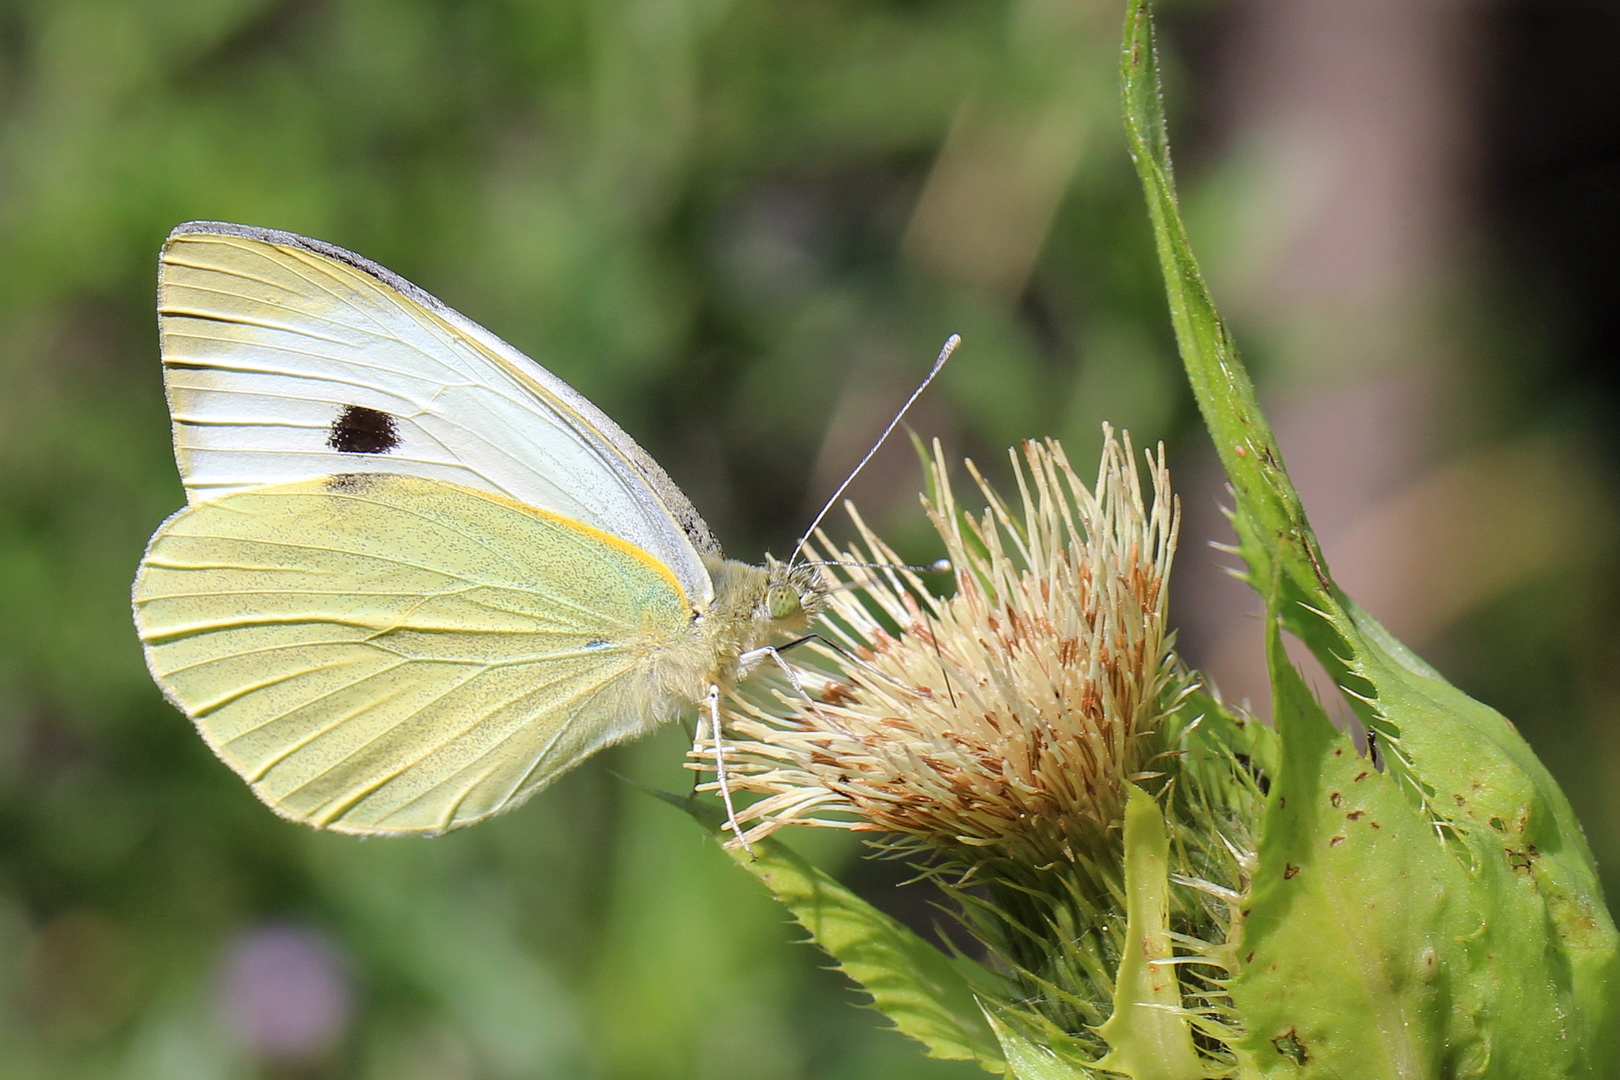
(1004, 720)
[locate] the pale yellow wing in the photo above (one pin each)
(390, 654)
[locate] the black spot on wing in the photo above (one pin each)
(359, 430)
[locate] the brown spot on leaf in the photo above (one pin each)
(1288, 1044)
(1522, 860)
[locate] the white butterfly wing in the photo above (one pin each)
(288, 359)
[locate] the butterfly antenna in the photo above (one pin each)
(944, 354)
(938, 566)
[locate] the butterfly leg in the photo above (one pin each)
(754, 656)
(775, 652)
(712, 701)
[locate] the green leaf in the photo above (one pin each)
(1469, 936)
(1028, 1061)
(927, 994)
(1149, 1037)
(1360, 928)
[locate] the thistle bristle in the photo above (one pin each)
(1006, 717)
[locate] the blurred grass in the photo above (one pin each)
(743, 229)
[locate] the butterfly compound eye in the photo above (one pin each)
(782, 601)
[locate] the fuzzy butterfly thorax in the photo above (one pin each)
(756, 606)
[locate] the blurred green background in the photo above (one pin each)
(743, 227)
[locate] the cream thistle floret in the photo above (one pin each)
(1001, 722)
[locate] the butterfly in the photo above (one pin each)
(418, 576)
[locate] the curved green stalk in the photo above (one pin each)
(1435, 913)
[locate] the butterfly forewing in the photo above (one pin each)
(287, 359)
(388, 654)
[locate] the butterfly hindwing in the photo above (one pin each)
(391, 654)
(288, 359)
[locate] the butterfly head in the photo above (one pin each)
(794, 594)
